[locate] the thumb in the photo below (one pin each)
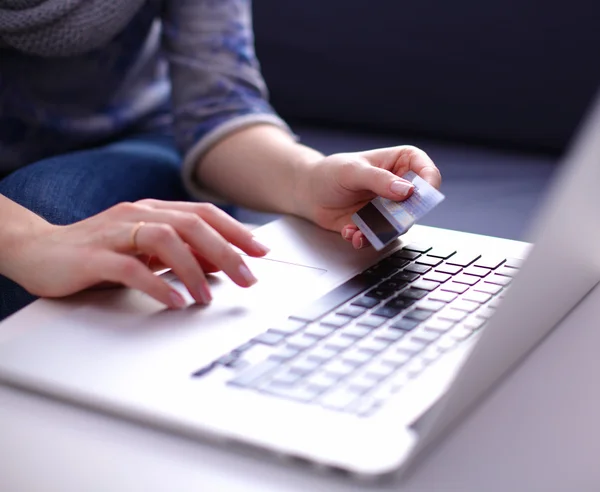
(379, 181)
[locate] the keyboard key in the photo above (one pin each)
(462, 259)
(379, 370)
(412, 293)
(251, 375)
(405, 324)
(437, 277)
(400, 302)
(454, 287)
(303, 366)
(338, 368)
(379, 271)
(425, 285)
(381, 294)
(498, 280)
(389, 335)
(428, 260)
(339, 343)
(494, 303)
(393, 285)
(321, 354)
(506, 271)
(418, 314)
(449, 269)
(356, 358)
(441, 252)
(452, 315)
(415, 268)
(474, 323)
(388, 311)
(405, 254)
(333, 299)
(285, 378)
(461, 333)
(430, 305)
(439, 325)
(461, 278)
(299, 341)
(430, 354)
(288, 327)
(490, 261)
(366, 302)
(397, 262)
(443, 296)
(352, 311)
(419, 248)
(372, 346)
(514, 263)
(425, 336)
(284, 353)
(338, 399)
(487, 288)
(415, 367)
(486, 312)
(410, 346)
(462, 305)
(360, 384)
(372, 321)
(446, 343)
(480, 297)
(405, 276)
(396, 359)
(269, 338)
(320, 381)
(204, 370)
(298, 393)
(336, 320)
(476, 271)
(319, 331)
(355, 332)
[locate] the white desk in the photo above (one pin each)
(539, 431)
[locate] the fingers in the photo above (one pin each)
(162, 241)
(352, 234)
(126, 270)
(400, 160)
(379, 181)
(231, 230)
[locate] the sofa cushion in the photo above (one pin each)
(511, 72)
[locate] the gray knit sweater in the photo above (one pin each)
(75, 72)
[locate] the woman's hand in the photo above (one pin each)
(339, 185)
(117, 245)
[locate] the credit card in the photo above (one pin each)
(383, 220)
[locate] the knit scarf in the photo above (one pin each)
(52, 28)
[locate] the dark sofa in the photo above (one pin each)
(493, 91)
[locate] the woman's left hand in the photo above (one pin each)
(340, 184)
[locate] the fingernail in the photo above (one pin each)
(177, 300)
(204, 293)
(401, 188)
(348, 234)
(260, 247)
(247, 275)
(360, 243)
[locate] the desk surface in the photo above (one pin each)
(539, 431)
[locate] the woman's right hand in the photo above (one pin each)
(56, 261)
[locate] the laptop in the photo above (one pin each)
(350, 361)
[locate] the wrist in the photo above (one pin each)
(303, 169)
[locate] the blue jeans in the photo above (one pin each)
(71, 187)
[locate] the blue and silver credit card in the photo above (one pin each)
(383, 220)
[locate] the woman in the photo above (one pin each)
(105, 104)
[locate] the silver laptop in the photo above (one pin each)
(353, 361)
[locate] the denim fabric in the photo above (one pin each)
(71, 187)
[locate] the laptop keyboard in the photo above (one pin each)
(358, 345)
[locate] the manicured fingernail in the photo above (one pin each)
(260, 247)
(204, 293)
(177, 301)
(401, 188)
(360, 243)
(247, 275)
(348, 233)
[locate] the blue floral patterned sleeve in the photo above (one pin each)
(217, 87)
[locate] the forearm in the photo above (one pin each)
(260, 167)
(17, 225)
